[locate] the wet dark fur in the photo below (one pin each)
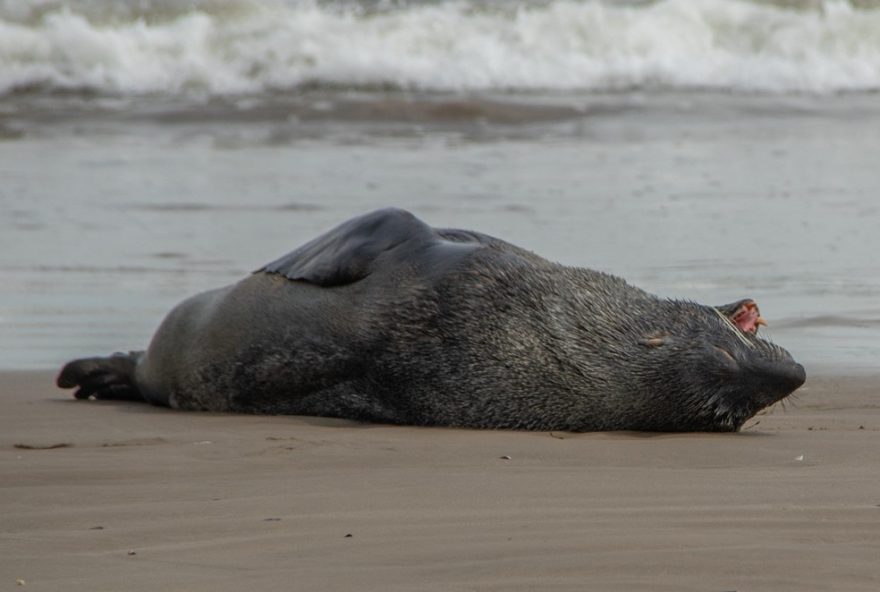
(385, 319)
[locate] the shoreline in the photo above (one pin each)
(381, 114)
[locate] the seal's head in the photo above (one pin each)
(722, 372)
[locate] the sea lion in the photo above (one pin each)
(385, 319)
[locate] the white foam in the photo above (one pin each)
(240, 46)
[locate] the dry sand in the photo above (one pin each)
(141, 498)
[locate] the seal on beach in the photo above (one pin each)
(386, 319)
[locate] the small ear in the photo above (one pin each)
(655, 340)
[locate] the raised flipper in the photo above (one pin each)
(354, 249)
(348, 252)
(109, 377)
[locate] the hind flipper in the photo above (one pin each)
(111, 377)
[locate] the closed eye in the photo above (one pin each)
(726, 355)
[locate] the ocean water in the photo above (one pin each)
(708, 149)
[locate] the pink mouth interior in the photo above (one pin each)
(748, 318)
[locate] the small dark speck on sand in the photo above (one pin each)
(97, 528)
(348, 536)
(271, 519)
(42, 446)
(132, 553)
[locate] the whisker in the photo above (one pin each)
(734, 328)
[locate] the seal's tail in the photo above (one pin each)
(110, 377)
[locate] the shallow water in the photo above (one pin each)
(110, 216)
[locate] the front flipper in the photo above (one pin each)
(744, 314)
(390, 237)
(348, 253)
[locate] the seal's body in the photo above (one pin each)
(386, 319)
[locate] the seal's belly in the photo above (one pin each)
(263, 339)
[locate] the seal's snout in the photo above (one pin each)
(798, 376)
(778, 377)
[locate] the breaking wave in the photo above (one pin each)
(234, 47)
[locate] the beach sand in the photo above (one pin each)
(113, 496)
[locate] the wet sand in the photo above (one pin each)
(111, 496)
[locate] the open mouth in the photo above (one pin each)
(747, 317)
